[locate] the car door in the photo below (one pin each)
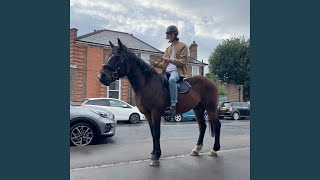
(245, 109)
(123, 111)
(238, 107)
(104, 103)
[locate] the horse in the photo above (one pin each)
(152, 99)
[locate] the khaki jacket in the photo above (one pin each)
(180, 58)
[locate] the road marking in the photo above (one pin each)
(147, 160)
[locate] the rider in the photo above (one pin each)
(175, 63)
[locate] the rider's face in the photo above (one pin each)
(170, 37)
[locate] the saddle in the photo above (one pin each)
(182, 84)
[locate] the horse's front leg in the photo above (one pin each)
(148, 117)
(156, 122)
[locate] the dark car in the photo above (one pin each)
(235, 110)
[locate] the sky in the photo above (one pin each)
(207, 22)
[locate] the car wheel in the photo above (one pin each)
(82, 134)
(221, 117)
(134, 118)
(205, 115)
(235, 116)
(178, 118)
(167, 118)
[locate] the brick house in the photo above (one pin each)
(88, 52)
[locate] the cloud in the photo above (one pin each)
(207, 22)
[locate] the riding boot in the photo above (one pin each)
(171, 110)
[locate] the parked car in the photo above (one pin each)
(121, 110)
(236, 110)
(87, 125)
(186, 116)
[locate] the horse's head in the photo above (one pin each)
(115, 66)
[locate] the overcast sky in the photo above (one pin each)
(207, 22)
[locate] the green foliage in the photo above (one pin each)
(215, 79)
(230, 62)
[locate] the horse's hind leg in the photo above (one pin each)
(215, 126)
(199, 111)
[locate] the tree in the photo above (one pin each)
(215, 79)
(230, 61)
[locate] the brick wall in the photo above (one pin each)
(95, 57)
(77, 58)
(233, 92)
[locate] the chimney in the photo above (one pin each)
(73, 34)
(193, 50)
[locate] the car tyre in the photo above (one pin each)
(134, 118)
(82, 134)
(235, 116)
(178, 118)
(167, 118)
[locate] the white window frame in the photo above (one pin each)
(193, 71)
(119, 95)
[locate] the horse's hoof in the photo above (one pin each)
(196, 150)
(154, 163)
(213, 153)
(194, 153)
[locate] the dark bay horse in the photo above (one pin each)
(152, 100)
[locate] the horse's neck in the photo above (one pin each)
(136, 78)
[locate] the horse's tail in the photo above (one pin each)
(211, 130)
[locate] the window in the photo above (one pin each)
(195, 70)
(146, 58)
(114, 90)
(244, 104)
(236, 104)
(226, 104)
(98, 102)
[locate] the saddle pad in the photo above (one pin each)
(183, 87)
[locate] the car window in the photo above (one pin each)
(98, 102)
(116, 103)
(225, 104)
(236, 104)
(245, 104)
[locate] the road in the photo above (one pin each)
(125, 156)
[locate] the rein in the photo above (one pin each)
(115, 73)
(146, 70)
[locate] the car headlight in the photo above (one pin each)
(102, 113)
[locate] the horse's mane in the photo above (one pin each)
(146, 69)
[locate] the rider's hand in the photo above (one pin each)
(152, 62)
(166, 59)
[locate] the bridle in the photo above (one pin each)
(123, 57)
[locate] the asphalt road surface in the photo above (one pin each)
(125, 156)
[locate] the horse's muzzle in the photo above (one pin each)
(104, 80)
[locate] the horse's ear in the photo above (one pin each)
(120, 44)
(111, 44)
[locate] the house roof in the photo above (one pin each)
(194, 61)
(103, 37)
